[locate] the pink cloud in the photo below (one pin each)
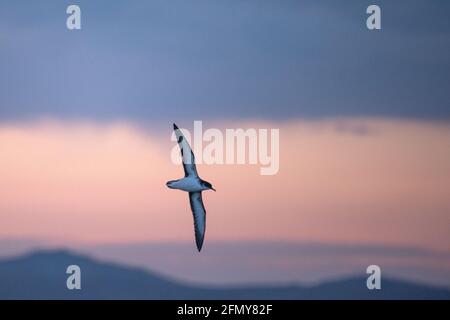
(99, 183)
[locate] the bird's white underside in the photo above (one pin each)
(188, 184)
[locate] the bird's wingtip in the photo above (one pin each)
(175, 127)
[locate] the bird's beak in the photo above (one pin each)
(213, 189)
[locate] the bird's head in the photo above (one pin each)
(207, 185)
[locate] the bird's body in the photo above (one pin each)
(188, 184)
(194, 185)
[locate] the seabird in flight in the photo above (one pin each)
(194, 185)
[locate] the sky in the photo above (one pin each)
(86, 119)
(150, 60)
(106, 183)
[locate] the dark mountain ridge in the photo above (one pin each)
(42, 275)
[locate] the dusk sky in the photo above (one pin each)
(86, 118)
(158, 60)
(106, 183)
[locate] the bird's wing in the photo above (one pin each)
(187, 155)
(199, 212)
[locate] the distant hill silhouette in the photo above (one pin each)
(42, 275)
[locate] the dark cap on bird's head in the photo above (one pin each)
(208, 185)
